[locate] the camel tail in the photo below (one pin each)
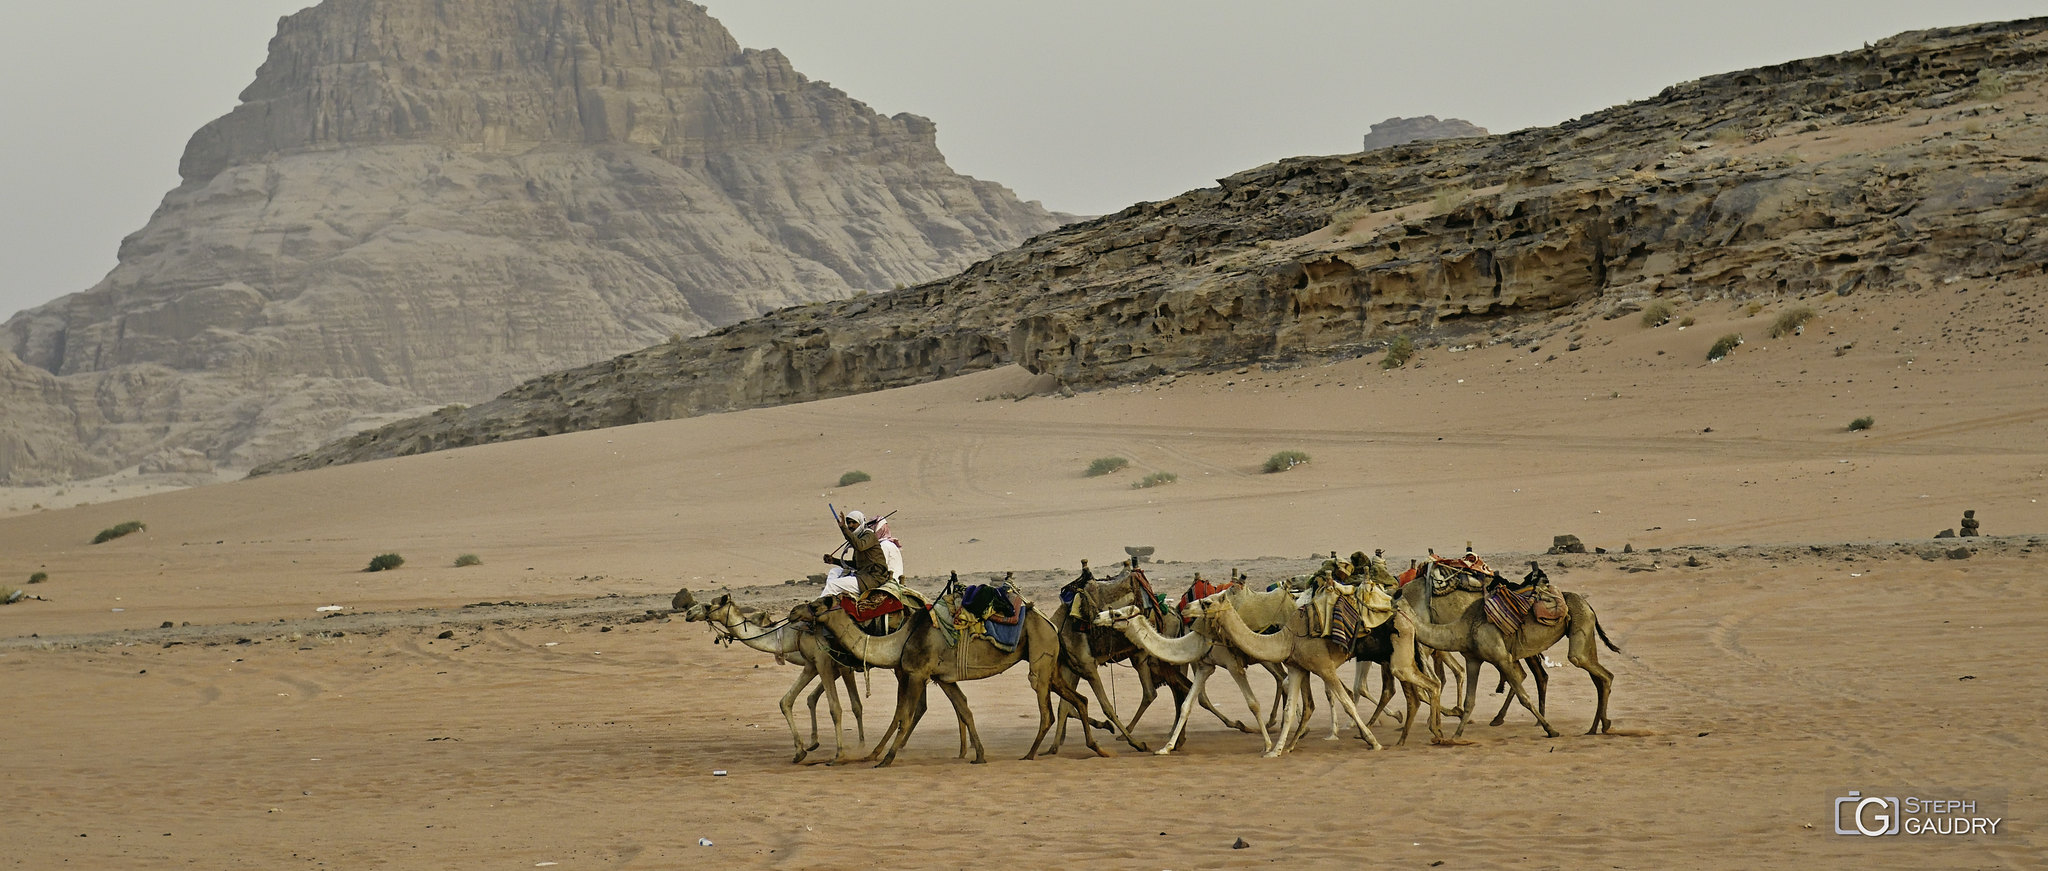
(1603, 635)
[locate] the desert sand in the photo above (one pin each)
(1823, 643)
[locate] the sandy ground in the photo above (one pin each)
(1825, 643)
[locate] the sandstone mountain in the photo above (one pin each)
(1883, 171)
(420, 202)
(1401, 131)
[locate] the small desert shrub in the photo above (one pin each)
(1790, 322)
(117, 530)
(1657, 314)
(1990, 85)
(1105, 465)
(468, 559)
(1155, 479)
(1446, 200)
(10, 595)
(854, 477)
(1398, 353)
(1753, 308)
(1685, 322)
(385, 562)
(1728, 134)
(1862, 423)
(1285, 460)
(38, 577)
(1340, 222)
(1724, 345)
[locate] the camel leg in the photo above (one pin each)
(853, 695)
(1202, 694)
(1444, 660)
(1186, 708)
(1535, 664)
(1386, 695)
(1102, 697)
(895, 718)
(1584, 654)
(959, 700)
(1417, 685)
(1279, 673)
(830, 685)
(1472, 664)
(1293, 711)
(1513, 670)
(1045, 681)
(1333, 684)
(788, 713)
(906, 720)
(1251, 700)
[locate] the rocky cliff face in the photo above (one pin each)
(426, 201)
(1881, 170)
(1401, 131)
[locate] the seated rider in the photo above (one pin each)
(844, 575)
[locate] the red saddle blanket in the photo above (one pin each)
(868, 608)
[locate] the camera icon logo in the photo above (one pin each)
(1869, 815)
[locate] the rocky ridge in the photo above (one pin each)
(1884, 170)
(1401, 131)
(420, 202)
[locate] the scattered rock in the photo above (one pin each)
(1946, 533)
(446, 633)
(1241, 844)
(1566, 544)
(1959, 553)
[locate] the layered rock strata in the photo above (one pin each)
(426, 201)
(1401, 131)
(1906, 170)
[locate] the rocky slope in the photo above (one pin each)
(426, 201)
(1884, 170)
(1401, 131)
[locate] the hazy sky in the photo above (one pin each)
(1085, 105)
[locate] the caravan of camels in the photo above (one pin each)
(1354, 609)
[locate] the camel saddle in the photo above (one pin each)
(882, 601)
(1510, 608)
(1343, 612)
(994, 612)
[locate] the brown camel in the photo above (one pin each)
(1305, 654)
(1086, 650)
(1194, 647)
(921, 655)
(1444, 609)
(1481, 641)
(788, 642)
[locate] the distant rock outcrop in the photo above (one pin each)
(426, 201)
(1333, 256)
(1401, 131)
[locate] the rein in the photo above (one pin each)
(727, 634)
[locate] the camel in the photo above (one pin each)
(1194, 647)
(1304, 655)
(1078, 645)
(788, 642)
(921, 655)
(1479, 640)
(1444, 609)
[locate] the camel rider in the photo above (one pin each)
(877, 557)
(1078, 583)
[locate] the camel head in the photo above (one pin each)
(682, 601)
(810, 611)
(1114, 616)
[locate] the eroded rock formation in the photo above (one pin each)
(426, 201)
(1683, 193)
(1401, 131)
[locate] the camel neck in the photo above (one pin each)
(1178, 651)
